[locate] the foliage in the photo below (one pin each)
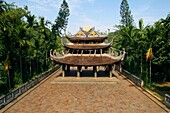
(125, 13)
(62, 19)
(143, 43)
(25, 43)
(153, 40)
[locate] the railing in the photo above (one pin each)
(140, 83)
(167, 100)
(6, 99)
(132, 77)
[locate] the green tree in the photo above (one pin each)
(24, 46)
(2, 6)
(141, 44)
(62, 19)
(161, 60)
(141, 35)
(125, 13)
(44, 30)
(11, 22)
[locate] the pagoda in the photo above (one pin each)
(87, 48)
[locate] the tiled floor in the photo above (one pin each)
(85, 95)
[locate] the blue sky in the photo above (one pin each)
(103, 14)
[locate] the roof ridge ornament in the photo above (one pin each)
(87, 28)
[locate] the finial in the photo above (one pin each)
(86, 28)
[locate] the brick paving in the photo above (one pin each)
(85, 95)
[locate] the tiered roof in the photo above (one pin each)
(87, 46)
(86, 59)
(82, 50)
(88, 35)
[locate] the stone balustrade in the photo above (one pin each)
(167, 100)
(133, 78)
(6, 99)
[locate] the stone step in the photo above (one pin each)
(79, 80)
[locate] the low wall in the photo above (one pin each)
(167, 100)
(140, 83)
(132, 77)
(6, 99)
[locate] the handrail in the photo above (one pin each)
(6, 99)
(167, 100)
(133, 78)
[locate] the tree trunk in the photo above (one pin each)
(166, 73)
(37, 64)
(20, 58)
(46, 57)
(9, 81)
(150, 76)
(30, 69)
(141, 65)
(21, 68)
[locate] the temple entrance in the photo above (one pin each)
(87, 72)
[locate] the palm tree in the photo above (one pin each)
(141, 35)
(129, 41)
(149, 56)
(6, 67)
(151, 37)
(44, 30)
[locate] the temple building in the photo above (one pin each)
(87, 48)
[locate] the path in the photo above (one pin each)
(85, 95)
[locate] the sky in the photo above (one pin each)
(101, 14)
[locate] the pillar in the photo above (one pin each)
(95, 71)
(63, 70)
(68, 68)
(100, 51)
(105, 68)
(120, 67)
(114, 67)
(110, 71)
(78, 71)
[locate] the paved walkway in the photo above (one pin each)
(85, 95)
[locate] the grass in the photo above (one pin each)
(159, 90)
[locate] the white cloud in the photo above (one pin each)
(73, 6)
(76, 5)
(149, 20)
(87, 21)
(144, 12)
(141, 10)
(91, 0)
(46, 3)
(46, 8)
(84, 20)
(49, 9)
(73, 3)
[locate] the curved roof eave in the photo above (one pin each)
(86, 59)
